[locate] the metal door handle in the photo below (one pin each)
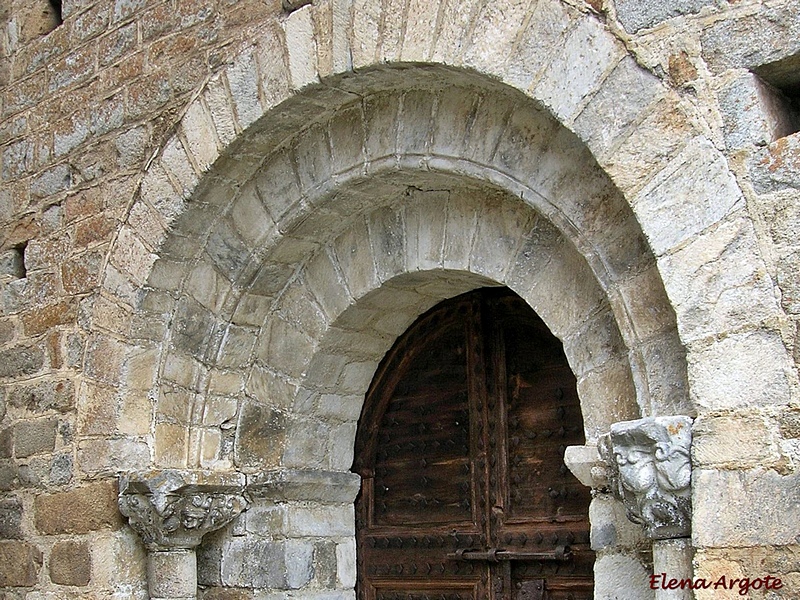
(561, 553)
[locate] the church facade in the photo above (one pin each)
(399, 300)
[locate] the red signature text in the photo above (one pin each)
(660, 581)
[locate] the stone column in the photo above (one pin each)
(650, 471)
(171, 511)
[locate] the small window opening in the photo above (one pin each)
(12, 262)
(784, 76)
(59, 19)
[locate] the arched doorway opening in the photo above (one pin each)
(460, 447)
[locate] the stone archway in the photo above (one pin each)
(285, 288)
(253, 254)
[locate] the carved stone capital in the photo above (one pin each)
(174, 509)
(650, 471)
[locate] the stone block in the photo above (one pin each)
(299, 307)
(88, 508)
(20, 563)
(620, 576)
(708, 298)
(226, 594)
(743, 369)
(301, 484)
(253, 563)
(34, 437)
(753, 112)
(751, 38)
(607, 396)
(261, 435)
(425, 230)
(777, 166)
(299, 560)
(237, 347)
(299, 31)
(70, 563)
(496, 31)
(346, 563)
(242, 78)
(20, 360)
(589, 53)
(640, 14)
(664, 364)
(285, 348)
(739, 440)
(200, 135)
(627, 93)
(54, 180)
(306, 445)
(172, 574)
(44, 396)
(61, 469)
(278, 185)
(612, 530)
(171, 445)
(703, 194)
(11, 518)
(321, 521)
(748, 520)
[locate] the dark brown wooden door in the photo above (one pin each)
(465, 495)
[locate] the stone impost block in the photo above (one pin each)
(70, 563)
(88, 508)
(327, 487)
(585, 463)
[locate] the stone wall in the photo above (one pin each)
(215, 217)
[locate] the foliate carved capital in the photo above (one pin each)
(650, 471)
(175, 509)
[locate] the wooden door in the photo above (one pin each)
(465, 495)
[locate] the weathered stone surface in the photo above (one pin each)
(34, 437)
(261, 436)
(749, 519)
(638, 14)
(173, 510)
(777, 166)
(88, 508)
(56, 395)
(19, 564)
(253, 563)
(10, 519)
(70, 563)
(752, 38)
(21, 360)
(309, 485)
(753, 112)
